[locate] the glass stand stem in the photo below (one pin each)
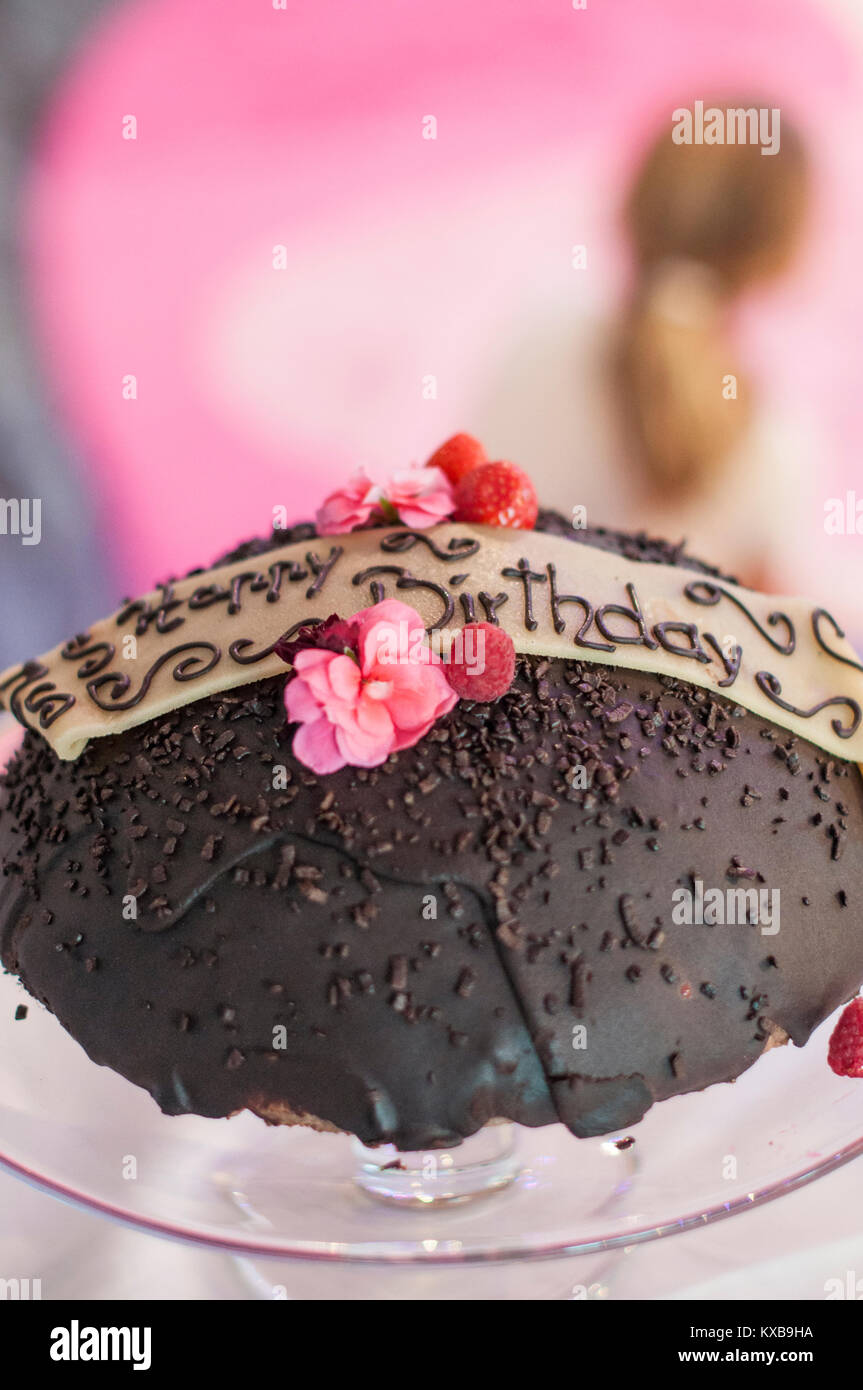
(484, 1163)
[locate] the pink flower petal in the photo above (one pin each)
(377, 690)
(411, 707)
(344, 677)
(311, 657)
(363, 750)
(333, 680)
(315, 745)
(373, 718)
(387, 630)
(421, 496)
(360, 714)
(300, 703)
(349, 506)
(406, 738)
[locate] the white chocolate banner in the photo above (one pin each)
(781, 658)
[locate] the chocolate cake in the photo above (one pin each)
(483, 926)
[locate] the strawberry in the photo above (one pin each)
(845, 1053)
(497, 494)
(482, 662)
(457, 457)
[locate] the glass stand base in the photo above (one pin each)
(483, 1164)
(582, 1278)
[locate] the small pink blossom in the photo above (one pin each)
(348, 506)
(360, 708)
(418, 497)
(421, 496)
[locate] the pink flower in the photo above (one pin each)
(360, 709)
(421, 496)
(418, 497)
(349, 506)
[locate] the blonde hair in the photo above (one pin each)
(705, 223)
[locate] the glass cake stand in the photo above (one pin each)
(266, 1194)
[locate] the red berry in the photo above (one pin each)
(458, 456)
(482, 662)
(497, 494)
(845, 1053)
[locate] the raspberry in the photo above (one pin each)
(845, 1053)
(497, 494)
(457, 457)
(482, 662)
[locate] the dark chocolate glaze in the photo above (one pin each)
(433, 934)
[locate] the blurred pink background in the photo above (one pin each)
(259, 127)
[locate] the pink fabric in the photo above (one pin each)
(406, 260)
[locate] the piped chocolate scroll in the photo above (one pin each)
(780, 658)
